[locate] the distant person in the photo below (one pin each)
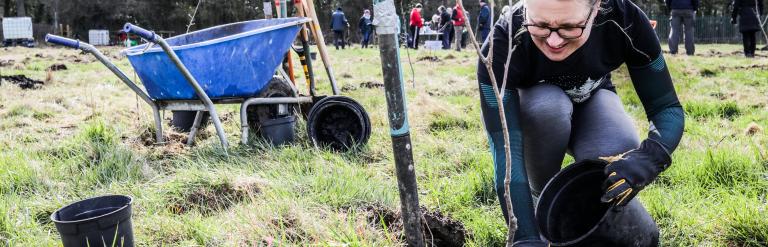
(446, 26)
(339, 24)
(416, 23)
(682, 18)
(435, 23)
(458, 24)
(366, 28)
(748, 13)
(484, 20)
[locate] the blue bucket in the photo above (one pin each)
(229, 61)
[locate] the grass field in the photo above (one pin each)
(85, 134)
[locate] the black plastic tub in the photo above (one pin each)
(570, 213)
(279, 131)
(183, 120)
(98, 221)
(338, 122)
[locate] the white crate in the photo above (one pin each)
(17, 28)
(433, 44)
(98, 37)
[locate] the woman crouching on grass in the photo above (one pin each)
(559, 98)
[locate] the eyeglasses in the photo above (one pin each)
(574, 32)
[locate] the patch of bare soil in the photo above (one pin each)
(746, 67)
(439, 230)
(22, 81)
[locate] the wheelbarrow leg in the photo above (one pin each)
(158, 124)
(244, 123)
(195, 126)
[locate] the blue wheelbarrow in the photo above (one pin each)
(232, 64)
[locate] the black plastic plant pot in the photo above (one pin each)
(279, 131)
(338, 122)
(183, 120)
(570, 213)
(99, 221)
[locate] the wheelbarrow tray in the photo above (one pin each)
(229, 61)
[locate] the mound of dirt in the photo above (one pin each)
(429, 58)
(57, 67)
(753, 129)
(439, 230)
(372, 84)
(348, 88)
(291, 227)
(708, 73)
(209, 198)
(22, 81)
(4, 63)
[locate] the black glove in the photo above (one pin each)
(635, 170)
(733, 21)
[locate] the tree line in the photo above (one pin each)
(174, 15)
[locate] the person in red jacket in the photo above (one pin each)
(416, 24)
(458, 24)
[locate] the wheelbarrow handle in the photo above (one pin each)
(58, 40)
(141, 32)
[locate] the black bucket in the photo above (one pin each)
(570, 213)
(279, 131)
(99, 221)
(183, 120)
(338, 122)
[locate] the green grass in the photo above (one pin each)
(83, 135)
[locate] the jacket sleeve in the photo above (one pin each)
(695, 4)
(652, 81)
(735, 12)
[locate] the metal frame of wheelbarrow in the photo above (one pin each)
(203, 104)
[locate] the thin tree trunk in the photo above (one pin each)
(20, 10)
(7, 8)
(488, 61)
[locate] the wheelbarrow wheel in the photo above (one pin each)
(258, 114)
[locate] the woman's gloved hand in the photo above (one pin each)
(633, 171)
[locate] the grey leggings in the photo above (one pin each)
(553, 125)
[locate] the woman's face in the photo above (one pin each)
(560, 14)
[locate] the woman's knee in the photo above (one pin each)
(545, 104)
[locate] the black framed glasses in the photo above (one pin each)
(544, 32)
